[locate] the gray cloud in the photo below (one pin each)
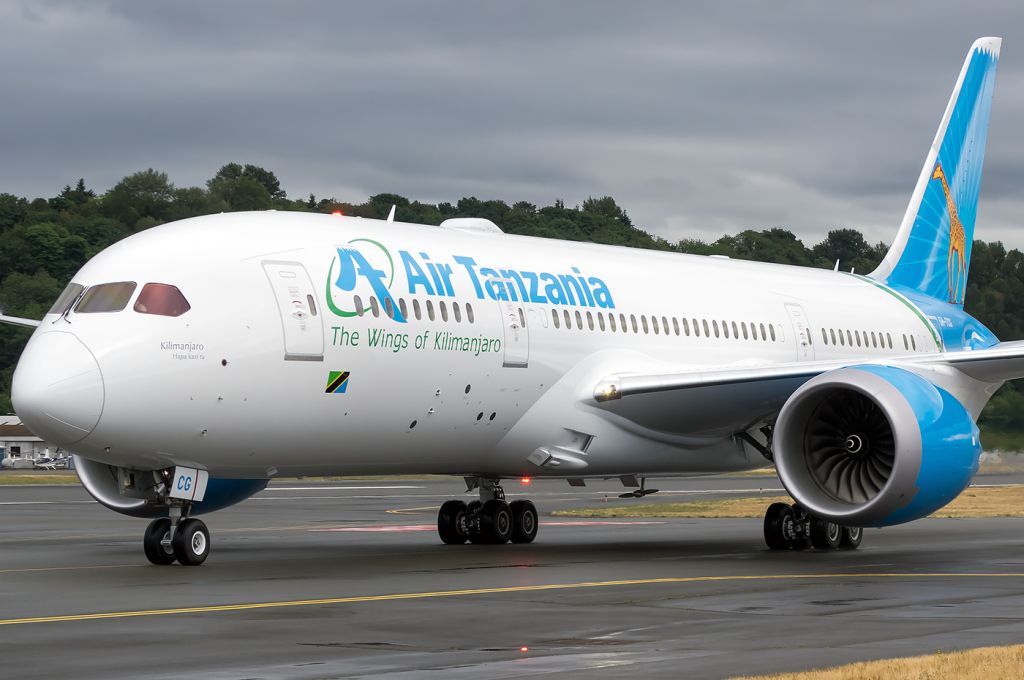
(699, 118)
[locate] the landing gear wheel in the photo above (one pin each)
(825, 535)
(778, 526)
(495, 522)
(453, 522)
(524, 521)
(474, 534)
(153, 544)
(851, 538)
(191, 542)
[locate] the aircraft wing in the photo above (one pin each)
(18, 321)
(714, 400)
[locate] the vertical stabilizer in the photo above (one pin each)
(932, 250)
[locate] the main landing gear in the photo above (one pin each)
(791, 527)
(176, 538)
(489, 520)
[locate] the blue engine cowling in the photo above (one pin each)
(101, 481)
(874, 446)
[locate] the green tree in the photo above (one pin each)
(144, 194)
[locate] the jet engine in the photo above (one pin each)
(138, 492)
(874, 446)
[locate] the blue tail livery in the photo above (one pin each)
(932, 250)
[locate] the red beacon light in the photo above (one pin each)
(526, 481)
(337, 213)
(524, 649)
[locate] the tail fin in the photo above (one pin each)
(932, 250)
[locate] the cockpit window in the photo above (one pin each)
(163, 299)
(72, 291)
(106, 297)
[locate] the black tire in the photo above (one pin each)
(191, 542)
(524, 521)
(775, 520)
(851, 538)
(825, 535)
(473, 523)
(452, 523)
(495, 522)
(152, 542)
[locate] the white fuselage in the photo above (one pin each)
(237, 385)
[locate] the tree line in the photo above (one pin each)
(44, 241)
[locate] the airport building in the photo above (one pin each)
(20, 448)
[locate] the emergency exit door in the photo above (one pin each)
(300, 318)
(802, 331)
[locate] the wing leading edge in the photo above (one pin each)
(728, 399)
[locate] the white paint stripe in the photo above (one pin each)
(335, 488)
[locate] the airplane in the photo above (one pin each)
(189, 364)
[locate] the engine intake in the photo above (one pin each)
(874, 446)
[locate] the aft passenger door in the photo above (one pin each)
(802, 331)
(296, 302)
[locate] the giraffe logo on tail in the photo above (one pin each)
(956, 261)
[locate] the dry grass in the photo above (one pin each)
(8, 477)
(986, 663)
(1000, 501)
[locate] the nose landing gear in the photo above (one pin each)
(489, 520)
(176, 538)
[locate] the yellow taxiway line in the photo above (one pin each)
(486, 591)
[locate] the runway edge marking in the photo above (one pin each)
(97, 616)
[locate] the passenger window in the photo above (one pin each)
(358, 301)
(402, 308)
(913, 343)
(888, 337)
(554, 317)
(714, 324)
(632, 321)
(416, 309)
(71, 292)
(849, 338)
(686, 327)
(856, 335)
(771, 329)
(725, 329)
(824, 336)
(568, 319)
(469, 312)
(753, 330)
(444, 310)
(675, 325)
(166, 300)
(874, 340)
(106, 297)
(374, 307)
(735, 331)
(832, 334)
(457, 312)
(611, 322)
(600, 320)
(643, 322)
(430, 310)
(764, 334)
(522, 318)
(579, 320)
(707, 331)
(389, 308)
(309, 300)
(842, 339)
(743, 327)
(654, 323)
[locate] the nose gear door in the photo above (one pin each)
(296, 302)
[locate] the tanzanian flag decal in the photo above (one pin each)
(337, 382)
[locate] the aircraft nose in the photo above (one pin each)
(57, 388)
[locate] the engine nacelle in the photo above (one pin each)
(873, 446)
(104, 483)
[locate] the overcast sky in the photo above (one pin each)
(700, 119)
